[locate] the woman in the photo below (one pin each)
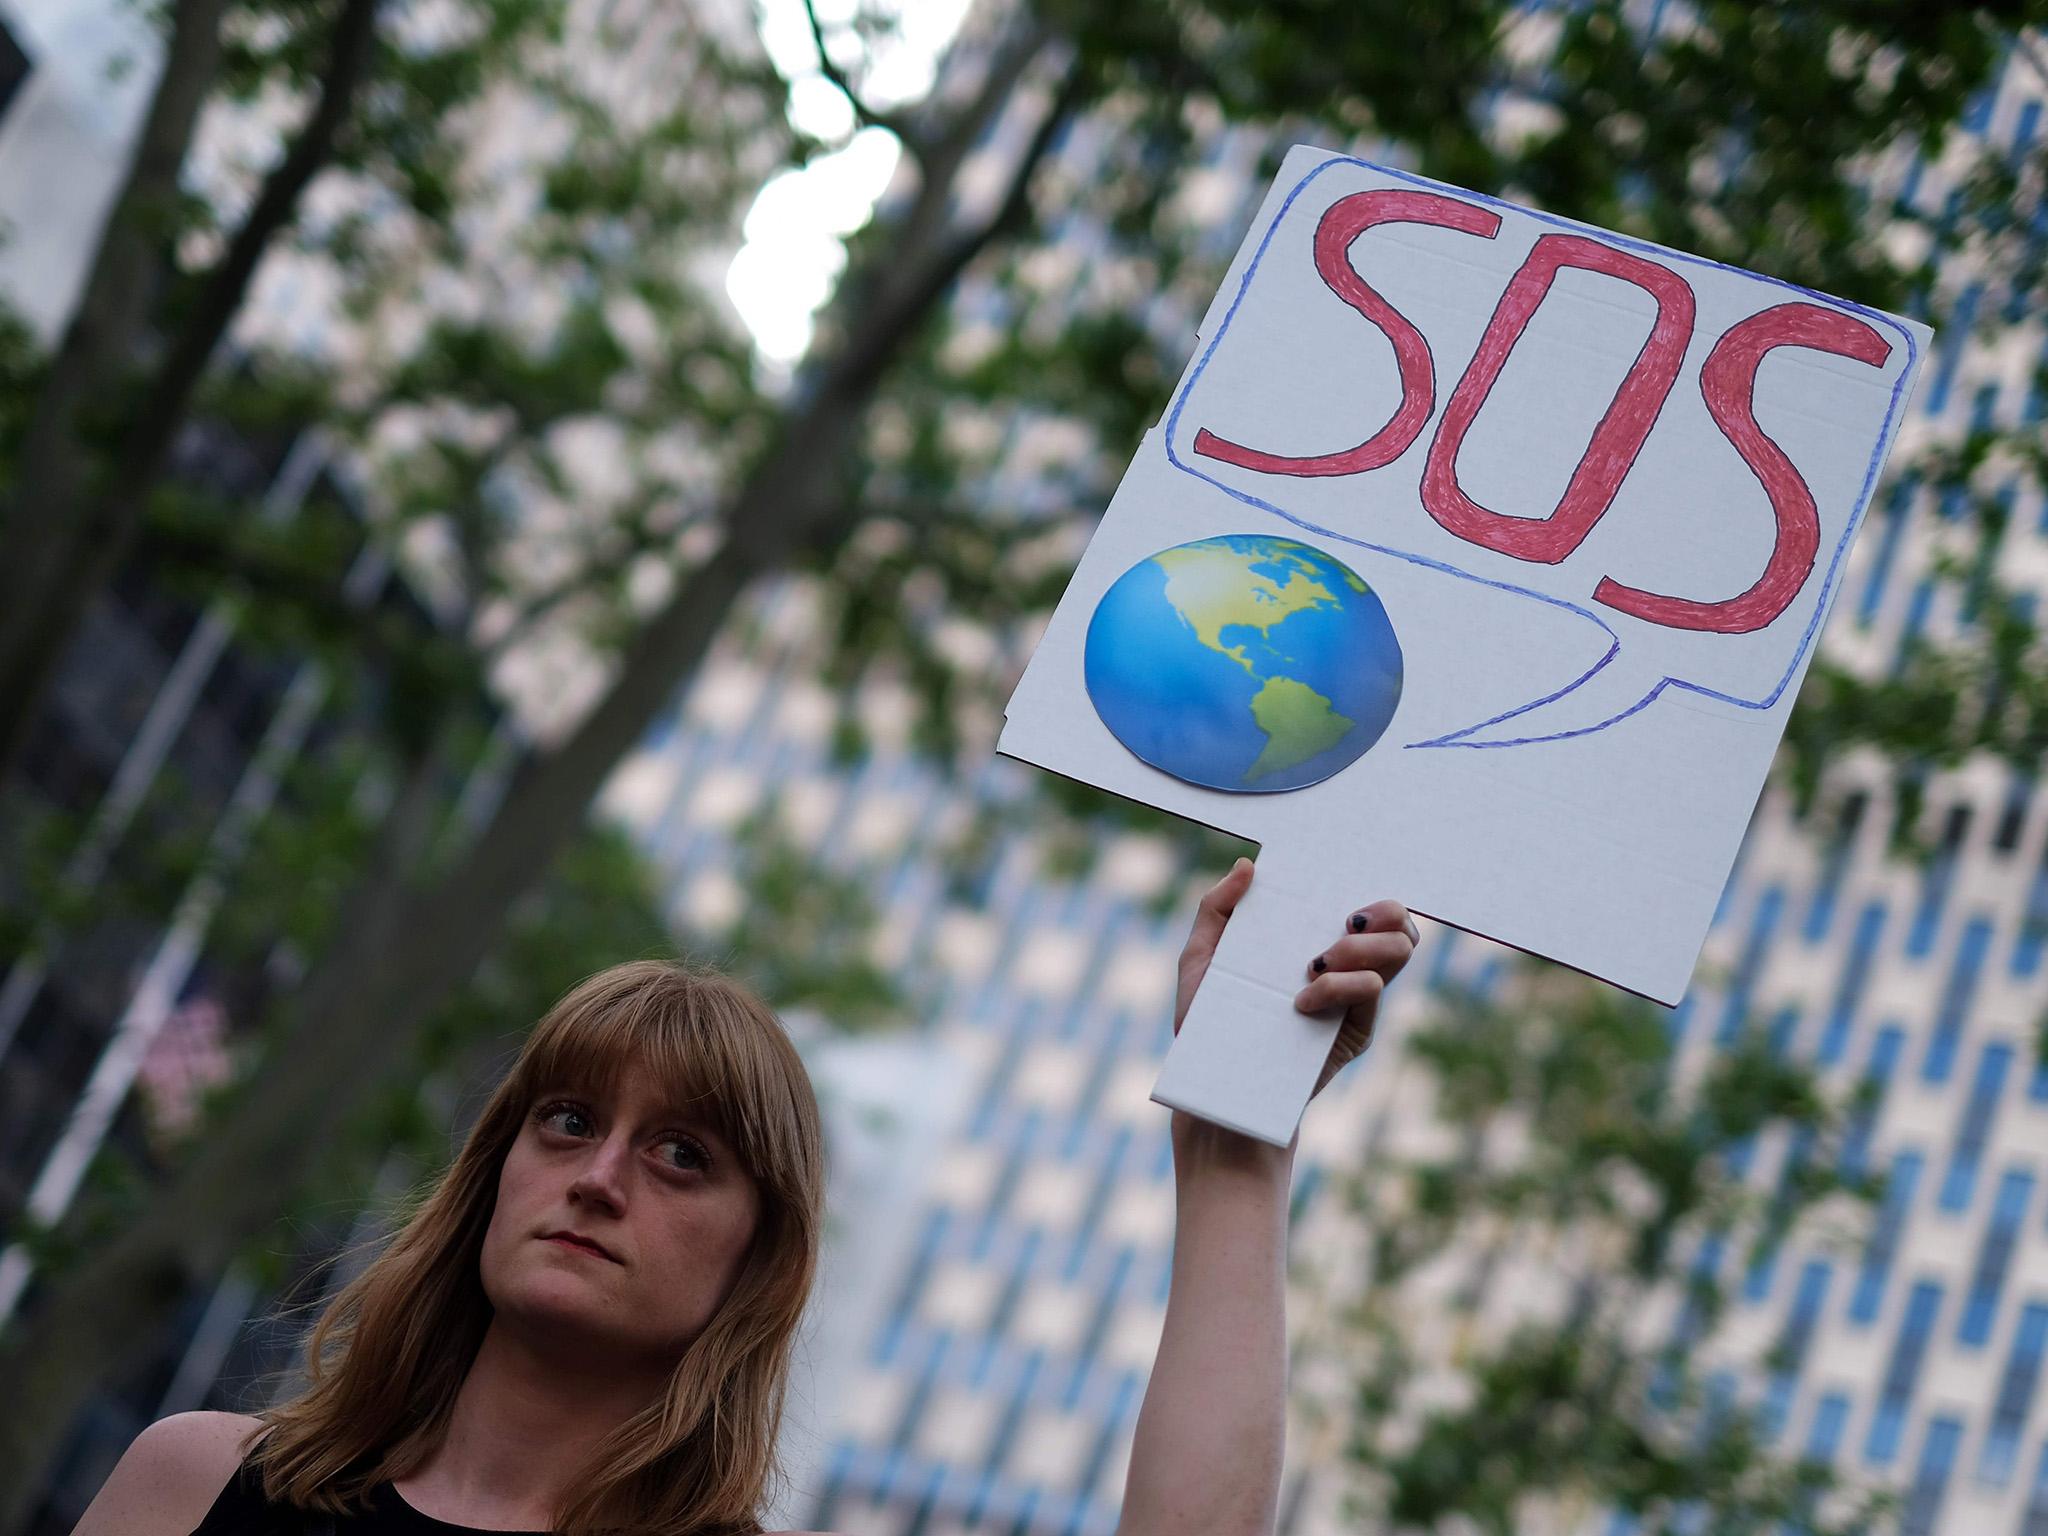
(586, 1325)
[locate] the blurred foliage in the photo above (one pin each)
(561, 434)
(1530, 1330)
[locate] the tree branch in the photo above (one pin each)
(48, 546)
(868, 115)
(940, 155)
(874, 344)
(72, 567)
(223, 288)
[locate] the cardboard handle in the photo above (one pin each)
(1245, 1057)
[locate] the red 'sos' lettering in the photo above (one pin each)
(1728, 381)
(1345, 221)
(1617, 439)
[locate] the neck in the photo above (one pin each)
(524, 1425)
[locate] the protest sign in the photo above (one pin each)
(1475, 563)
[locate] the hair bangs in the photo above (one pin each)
(708, 1048)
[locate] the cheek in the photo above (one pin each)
(508, 1211)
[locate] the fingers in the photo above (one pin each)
(1384, 917)
(1340, 989)
(1353, 971)
(1382, 952)
(1217, 904)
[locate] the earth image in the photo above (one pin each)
(1246, 662)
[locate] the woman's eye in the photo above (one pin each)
(569, 1119)
(685, 1152)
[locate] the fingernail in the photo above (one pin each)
(1357, 922)
(1319, 965)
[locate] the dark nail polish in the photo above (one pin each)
(1357, 923)
(1319, 965)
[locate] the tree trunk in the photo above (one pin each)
(65, 535)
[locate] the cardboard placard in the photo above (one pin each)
(1475, 563)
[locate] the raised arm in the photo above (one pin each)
(1211, 1434)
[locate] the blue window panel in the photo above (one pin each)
(1098, 1328)
(2015, 1399)
(920, 1395)
(1788, 1354)
(1886, 552)
(1883, 1247)
(1974, 1131)
(1978, 585)
(2037, 1079)
(1757, 1284)
(1727, 897)
(2033, 934)
(1930, 1478)
(1994, 1256)
(1956, 997)
(1824, 1437)
(1909, 186)
(2012, 816)
(1820, 911)
(1877, 1076)
(1936, 882)
(1439, 965)
(1685, 1331)
(1917, 608)
(1856, 968)
(1742, 984)
(1983, 407)
(2036, 1519)
(1949, 345)
(2026, 127)
(891, 1337)
(1977, 110)
(1306, 1184)
(1902, 1374)
(1675, 1021)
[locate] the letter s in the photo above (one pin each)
(1343, 223)
(1728, 381)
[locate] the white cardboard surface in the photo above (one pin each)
(1565, 773)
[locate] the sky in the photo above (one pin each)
(793, 252)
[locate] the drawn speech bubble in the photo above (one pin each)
(1673, 453)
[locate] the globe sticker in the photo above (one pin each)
(1247, 663)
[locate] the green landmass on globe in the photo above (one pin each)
(1246, 662)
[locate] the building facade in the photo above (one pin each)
(1001, 1367)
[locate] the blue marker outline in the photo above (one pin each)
(1455, 738)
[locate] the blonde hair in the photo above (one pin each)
(390, 1352)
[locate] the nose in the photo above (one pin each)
(601, 1181)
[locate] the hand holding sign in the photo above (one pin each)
(1478, 557)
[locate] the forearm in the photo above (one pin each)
(1211, 1433)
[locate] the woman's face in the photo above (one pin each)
(621, 1223)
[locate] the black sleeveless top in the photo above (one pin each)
(242, 1510)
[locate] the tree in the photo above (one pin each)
(1521, 1336)
(1735, 137)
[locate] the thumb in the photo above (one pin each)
(1217, 904)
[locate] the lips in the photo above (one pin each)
(577, 1240)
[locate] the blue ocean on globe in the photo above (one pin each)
(1246, 662)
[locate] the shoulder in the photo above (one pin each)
(168, 1479)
